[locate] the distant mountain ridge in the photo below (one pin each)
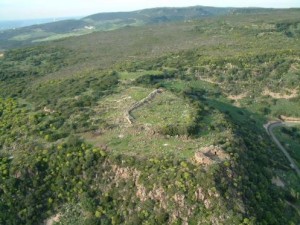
(13, 24)
(171, 14)
(110, 21)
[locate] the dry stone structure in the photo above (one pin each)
(138, 104)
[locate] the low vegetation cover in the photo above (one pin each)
(290, 138)
(195, 152)
(11, 38)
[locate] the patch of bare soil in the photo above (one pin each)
(278, 182)
(289, 119)
(52, 219)
(208, 80)
(294, 67)
(290, 93)
(237, 97)
(1, 55)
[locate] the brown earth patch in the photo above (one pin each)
(290, 93)
(237, 97)
(289, 119)
(53, 219)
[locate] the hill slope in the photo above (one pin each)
(158, 124)
(110, 21)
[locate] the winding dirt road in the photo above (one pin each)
(269, 127)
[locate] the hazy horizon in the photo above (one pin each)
(53, 19)
(11, 10)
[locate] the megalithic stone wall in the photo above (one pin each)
(138, 104)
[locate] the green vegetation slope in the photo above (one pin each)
(111, 21)
(195, 153)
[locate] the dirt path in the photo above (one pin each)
(269, 127)
(208, 80)
(291, 93)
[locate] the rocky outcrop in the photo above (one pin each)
(125, 172)
(141, 192)
(179, 199)
(199, 194)
(210, 155)
(47, 110)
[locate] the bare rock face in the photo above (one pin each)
(200, 196)
(207, 203)
(141, 193)
(157, 194)
(179, 199)
(201, 158)
(47, 110)
(125, 172)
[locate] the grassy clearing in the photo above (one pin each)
(54, 36)
(165, 109)
(141, 142)
(35, 34)
(141, 138)
(112, 108)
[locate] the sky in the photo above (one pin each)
(33, 9)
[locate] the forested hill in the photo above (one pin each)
(156, 124)
(111, 21)
(155, 15)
